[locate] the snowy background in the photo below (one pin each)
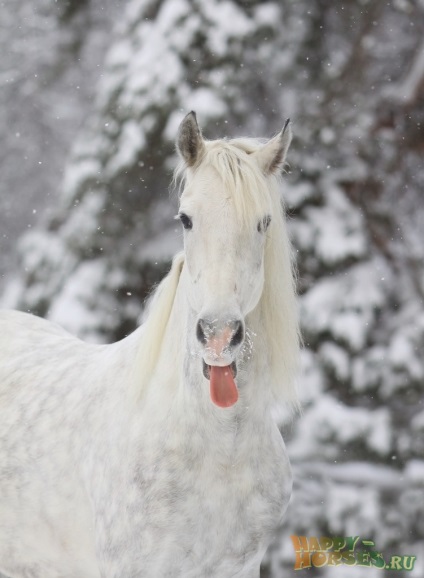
(92, 94)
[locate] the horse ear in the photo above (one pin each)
(190, 144)
(272, 155)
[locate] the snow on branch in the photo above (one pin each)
(406, 91)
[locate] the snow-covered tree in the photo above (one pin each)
(52, 57)
(351, 77)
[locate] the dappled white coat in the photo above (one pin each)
(92, 484)
(101, 476)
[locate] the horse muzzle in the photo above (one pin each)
(219, 339)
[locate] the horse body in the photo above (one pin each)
(167, 485)
(46, 526)
(103, 477)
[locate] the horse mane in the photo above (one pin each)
(156, 315)
(253, 194)
(278, 306)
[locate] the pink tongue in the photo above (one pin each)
(222, 386)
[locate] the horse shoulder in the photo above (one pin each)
(35, 352)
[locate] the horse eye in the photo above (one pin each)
(186, 221)
(263, 224)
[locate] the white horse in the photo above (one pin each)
(158, 456)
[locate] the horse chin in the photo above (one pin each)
(206, 369)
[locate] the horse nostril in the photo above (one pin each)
(238, 334)
(230, 334)
(200, 331)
